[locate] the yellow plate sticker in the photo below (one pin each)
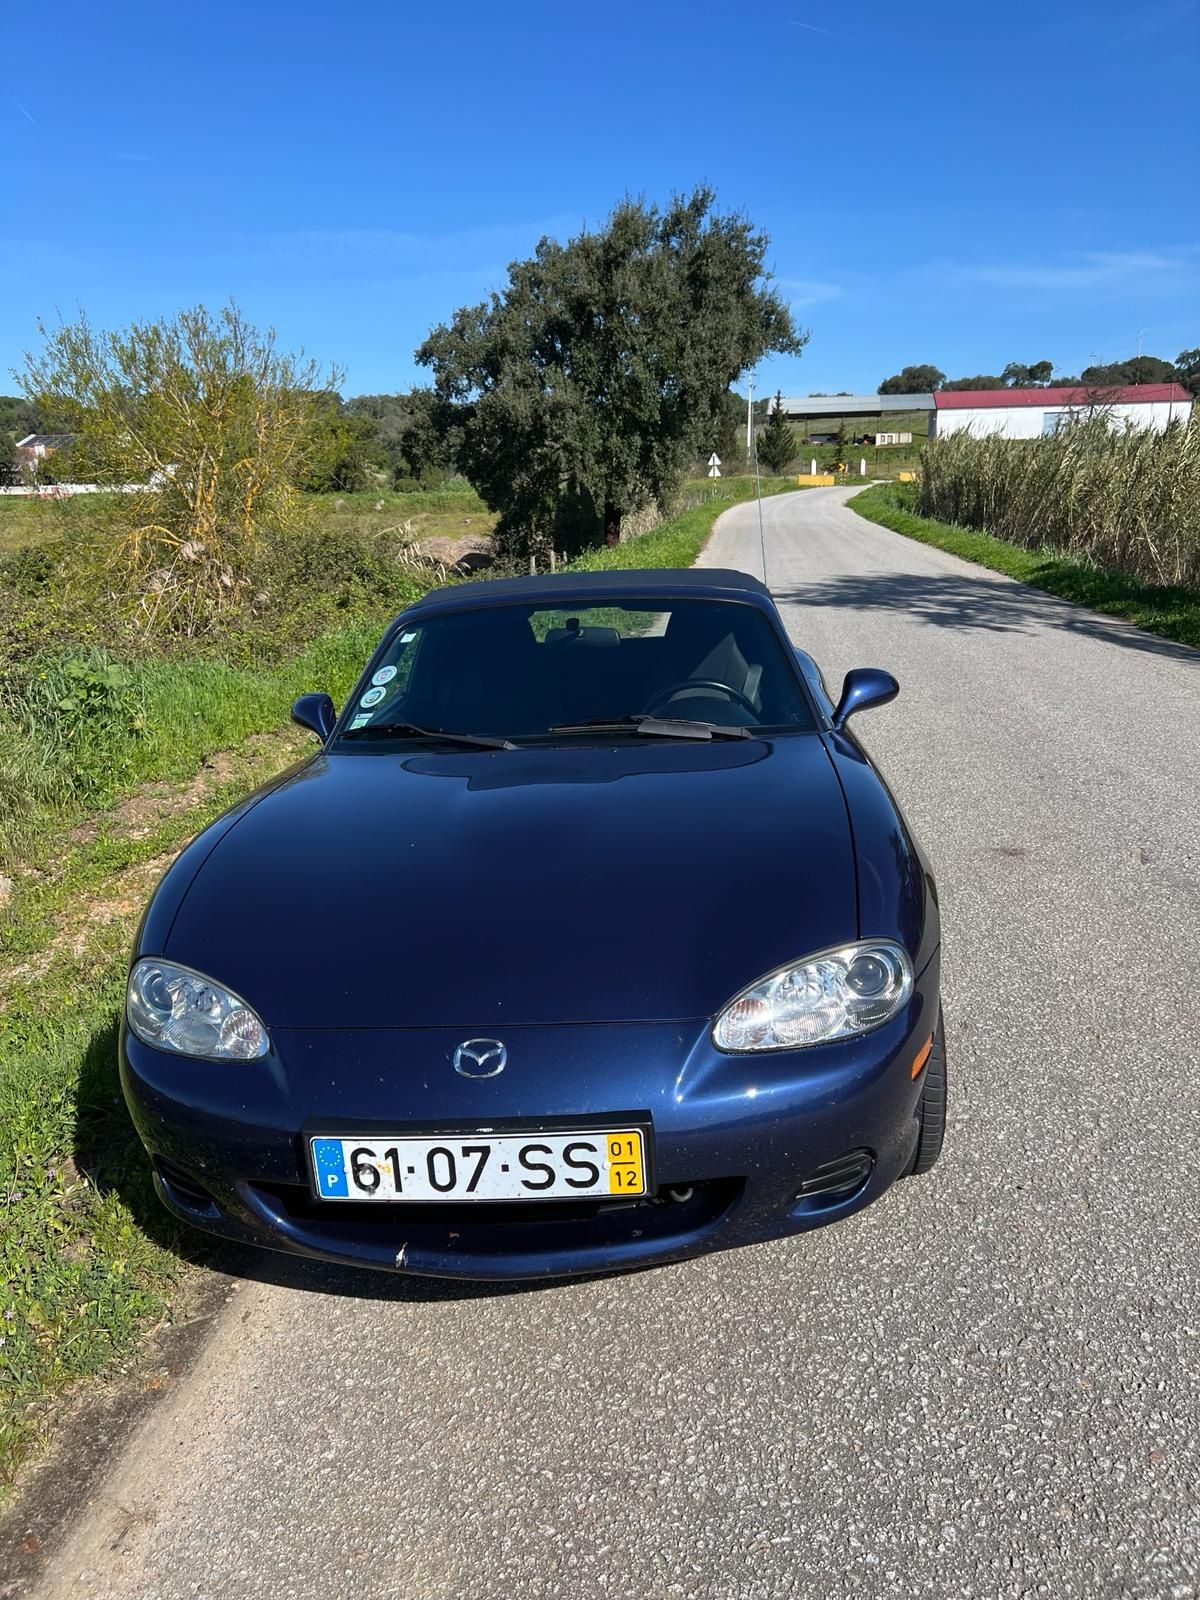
(624, 1152)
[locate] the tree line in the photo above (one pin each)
(926, 378)
(584, 389)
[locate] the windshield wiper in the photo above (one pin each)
(477, 741)
(656, 727)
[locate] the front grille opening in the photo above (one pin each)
(500, 1226)
(186, 1191)
(835, 1181)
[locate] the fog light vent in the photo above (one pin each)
(838, 1179)
(183, 1188)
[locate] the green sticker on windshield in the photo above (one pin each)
(358, 722)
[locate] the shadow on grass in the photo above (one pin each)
(110, 1155)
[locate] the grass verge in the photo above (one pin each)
(89, 1259)
(678, 541)
(1172, 613)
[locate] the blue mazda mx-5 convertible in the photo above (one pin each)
(589, 938)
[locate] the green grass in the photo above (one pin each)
(677, 542)
(173, 715)
(89, 1259)
(1172, 613)
(452, 513)
(25, 521)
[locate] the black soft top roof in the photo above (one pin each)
(594, 588)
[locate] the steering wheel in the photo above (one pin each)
(664, 696)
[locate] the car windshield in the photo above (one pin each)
(530, 672)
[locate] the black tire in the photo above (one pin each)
(932, 1110)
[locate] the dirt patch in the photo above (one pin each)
(127, 894)
(457, 552)
(142, 812)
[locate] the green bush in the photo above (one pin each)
(90, 705)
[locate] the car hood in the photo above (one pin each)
(632, 881)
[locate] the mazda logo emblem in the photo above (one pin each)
(480, 1058)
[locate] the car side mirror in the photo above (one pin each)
(861, 689)
(315, 712)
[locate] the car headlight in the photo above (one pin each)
(835, 994)
(174, 1008)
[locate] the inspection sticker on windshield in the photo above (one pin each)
(358, 722)
(372, 697)
(460, 1167)
(384, 675)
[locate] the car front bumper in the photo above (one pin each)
(745, 1148)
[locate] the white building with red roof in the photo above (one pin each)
(1031, 413)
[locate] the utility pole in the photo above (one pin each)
(750, 420)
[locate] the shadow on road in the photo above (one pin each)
(989, 604)
(354, 1283)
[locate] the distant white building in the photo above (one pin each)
(1032, 413)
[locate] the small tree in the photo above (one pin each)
(1020, 375)
(1139, 369)
(913, 380)
(204, 425)
(1187, 370)
(841, 444)
(344, 449)
(977, 380)
(776, 443)
(727, 434)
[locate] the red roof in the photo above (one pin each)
(1132, 394)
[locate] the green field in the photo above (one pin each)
(882, 462)
(24, 521)
(455, 512)
(435, 516)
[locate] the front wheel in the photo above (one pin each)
(932, 1109)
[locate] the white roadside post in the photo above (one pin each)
(813, 468)
(862, 466)
(714, 465)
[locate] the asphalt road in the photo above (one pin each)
(984, 1386)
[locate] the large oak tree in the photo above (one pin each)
(584, 389)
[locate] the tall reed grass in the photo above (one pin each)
(1128, 501)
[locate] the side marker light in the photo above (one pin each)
(921, 1057)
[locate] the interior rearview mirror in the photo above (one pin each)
(863, 688)
(315, 712)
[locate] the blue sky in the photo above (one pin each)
(949, 181)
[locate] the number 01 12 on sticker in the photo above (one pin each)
(516, 1166)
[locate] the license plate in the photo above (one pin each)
(510, 1166)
